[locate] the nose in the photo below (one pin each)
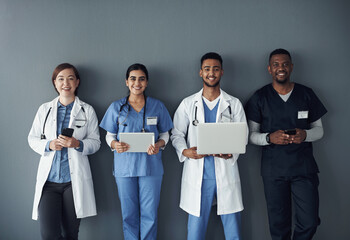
(281, 67)
(65, 81)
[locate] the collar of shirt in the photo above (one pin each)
(69, 106)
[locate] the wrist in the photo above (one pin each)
(77, 145)
(268, 140)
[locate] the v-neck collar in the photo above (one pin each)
(279, 97)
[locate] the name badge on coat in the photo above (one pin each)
(303, 114)
(151, 120)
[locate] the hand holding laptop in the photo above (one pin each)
(192, 153)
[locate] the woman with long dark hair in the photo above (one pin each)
(138, 174)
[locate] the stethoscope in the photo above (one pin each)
(126, 104)
(195, 122)
(81, 121)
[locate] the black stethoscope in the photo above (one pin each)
(126, 104)
(81, 121)
(195, 121)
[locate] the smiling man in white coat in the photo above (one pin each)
(205, 177)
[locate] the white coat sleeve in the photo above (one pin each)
(179, 132)
(238, 116)
(34, 137)
(92, 139)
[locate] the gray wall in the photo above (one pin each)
(102, 38)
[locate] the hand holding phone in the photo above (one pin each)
(66, 138)
(68, 132)
(290, 131)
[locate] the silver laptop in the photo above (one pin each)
(139, 142)
(225, 138)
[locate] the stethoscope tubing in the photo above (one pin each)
(47, 115)
(127, 114)
(195, 122)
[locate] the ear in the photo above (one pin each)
(201, 73)
(269, 69)
(222, 72)
(126, 82)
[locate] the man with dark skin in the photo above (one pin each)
(285, 117)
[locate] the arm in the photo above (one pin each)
(258, 138)
(315, 132)
(255, 136)
(179, 132)
(34, 136)
(114, 144)
(160, 144)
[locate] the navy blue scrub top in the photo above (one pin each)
(137, 164)
(268, 109)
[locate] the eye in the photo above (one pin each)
(142, 78)
(60, 79)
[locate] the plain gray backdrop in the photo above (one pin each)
(102, 38)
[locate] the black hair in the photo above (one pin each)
(137, 66)
(212, 55)
(280, 51)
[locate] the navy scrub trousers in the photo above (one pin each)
(279, 194)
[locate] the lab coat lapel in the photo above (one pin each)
(200, 108)
(51, 124)
(223, 104)
(75, 110)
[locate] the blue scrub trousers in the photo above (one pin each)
(197, 226)
(139, 198)
(279, 193)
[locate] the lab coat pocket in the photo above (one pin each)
(225, 118)
(80, 133)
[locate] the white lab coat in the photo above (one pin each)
(229, 196)
(81, 179)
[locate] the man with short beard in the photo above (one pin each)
(205, 177)
(284, 118)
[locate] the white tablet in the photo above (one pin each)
(139, 142)
(225, 138)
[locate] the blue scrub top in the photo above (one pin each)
(137, 164)
(209, 165)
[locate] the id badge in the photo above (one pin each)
(303, 114)
(151, 120)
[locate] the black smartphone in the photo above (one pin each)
(68, 132)
(290, 131)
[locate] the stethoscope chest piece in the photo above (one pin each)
(195, 122)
